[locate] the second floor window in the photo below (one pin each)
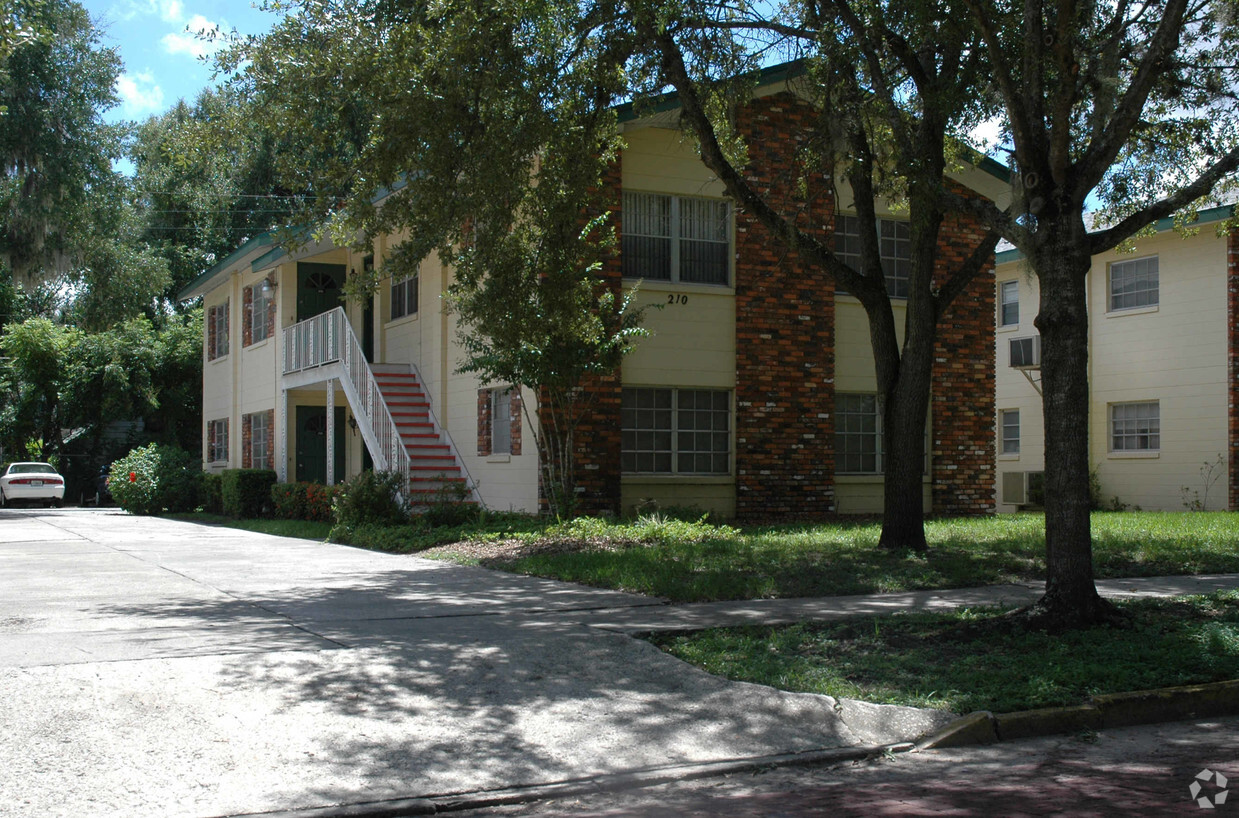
(681, 239)
(894, 249)
(217, 331)
(1009, 303)
(403, 297)
(1133, 283)
(258, 304)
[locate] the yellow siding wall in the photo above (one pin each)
(854, 372)
(692, 341)
(1174, 353)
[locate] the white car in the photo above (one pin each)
(32, 482)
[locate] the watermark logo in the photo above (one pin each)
(1198, 790)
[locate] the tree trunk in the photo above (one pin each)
(903, 417)
(1062, 263)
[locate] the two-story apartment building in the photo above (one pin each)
(1162, 371)
(754, 396)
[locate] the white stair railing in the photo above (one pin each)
(328, 338)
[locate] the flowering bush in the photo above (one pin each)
(155, 478)
(303, 501)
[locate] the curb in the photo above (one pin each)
(615, 782)
(1106, 711)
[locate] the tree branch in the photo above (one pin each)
(1128, 227)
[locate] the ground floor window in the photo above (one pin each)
(217, 441)
(499, 421)
(676, 431)
(1135, 427)
(257, 445)
(858, 434)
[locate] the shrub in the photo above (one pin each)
(288, 501)
(246, 493)
(155, 478)
(209, 494)
(449, 507)
(319, 500)
(370, 498)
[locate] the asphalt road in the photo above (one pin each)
(154, 667)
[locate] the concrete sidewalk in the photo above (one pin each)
(149, 666)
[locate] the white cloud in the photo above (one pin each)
(139, 94)
(170, 11)
(188, 41)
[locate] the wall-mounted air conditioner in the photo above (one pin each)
(1025, 353)
(1023, 488)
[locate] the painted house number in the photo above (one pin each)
(677, 298)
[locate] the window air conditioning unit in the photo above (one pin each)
(1023, 488)
(1026, 352)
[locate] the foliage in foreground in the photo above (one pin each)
(697, 562)
(977, 659)
(155, 478)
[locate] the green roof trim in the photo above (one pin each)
(769, 75)
(198, 286)
(1208, 216)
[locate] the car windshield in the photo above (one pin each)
(31, 468)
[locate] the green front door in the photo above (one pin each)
(318, 288)
(312, 444)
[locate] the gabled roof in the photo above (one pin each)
(772, 75)
(1213, 214)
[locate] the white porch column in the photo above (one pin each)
(283, 467)
(331, 431)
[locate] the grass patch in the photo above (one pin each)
(977, 660)
(303, 529)
(694, 562)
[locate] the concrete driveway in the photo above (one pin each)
(153, 667)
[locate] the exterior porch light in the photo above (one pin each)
(269, 285)
(352, 424)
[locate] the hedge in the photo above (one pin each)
(246, 493)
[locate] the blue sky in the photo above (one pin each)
(163, 59)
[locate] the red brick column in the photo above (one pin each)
(785, 338)
(596, 444)
(1232, 361)
(962, 447)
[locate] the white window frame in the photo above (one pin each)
(501, 421)
(218, 317)
(257, 316)
(876, 434)
(847, 249)
(260, 456)
(678, 433)
(1133, 298)
(407, 289)
(676, 235)
(1139, 429)
(1009, 432)
(1005, 289)
(220, 447)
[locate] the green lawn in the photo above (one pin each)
(973, 660)
(693, 562)
(689, 562)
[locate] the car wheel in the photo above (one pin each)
(3, 501)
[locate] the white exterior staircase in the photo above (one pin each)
(390, 404)
(434, 469)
